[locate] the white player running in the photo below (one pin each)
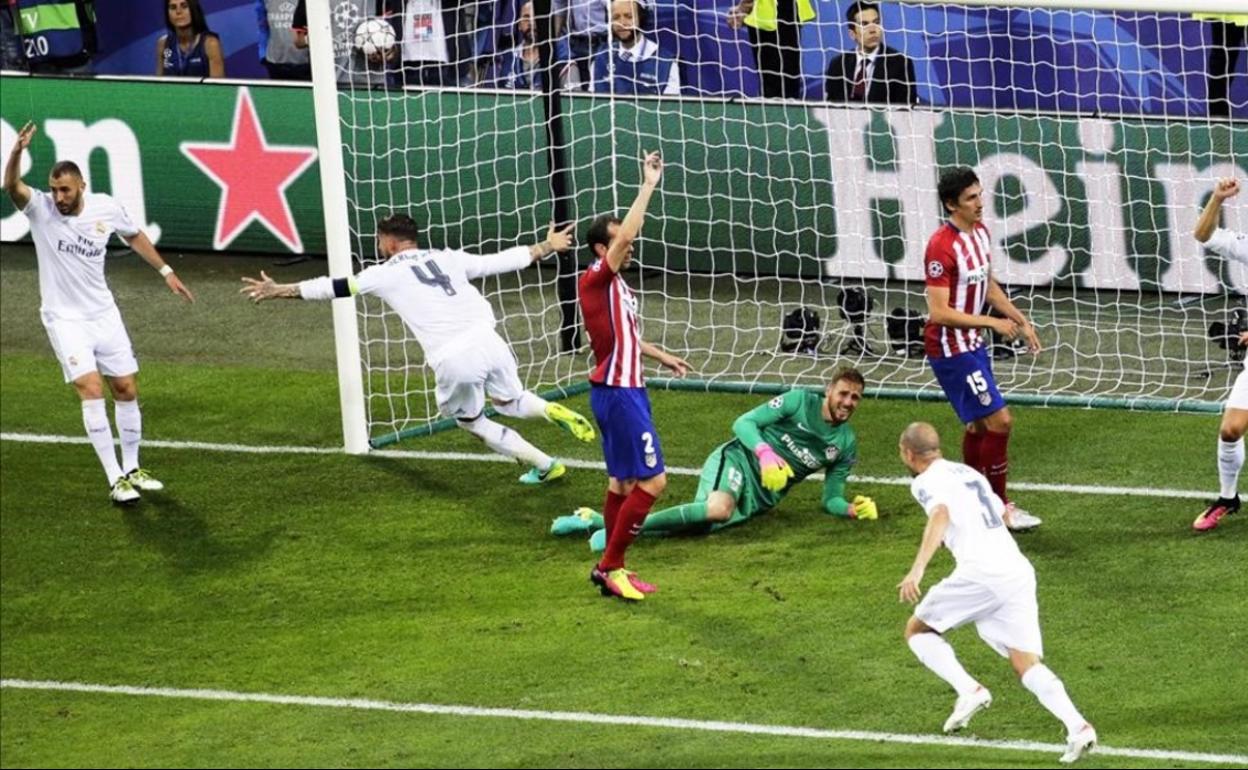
(430, 289)
(71, 229)
(992, 586)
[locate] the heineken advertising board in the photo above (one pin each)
(795, 189)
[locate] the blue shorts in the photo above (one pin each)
(969, 384)
(630, 444)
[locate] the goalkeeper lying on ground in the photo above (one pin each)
(777, 445)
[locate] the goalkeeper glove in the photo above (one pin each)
(864, 508)
(776, 472)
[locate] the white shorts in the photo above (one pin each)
(480, 364)
(99, 344)
(1239, 392)
(1004, 612)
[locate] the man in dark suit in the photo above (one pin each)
(873, 72)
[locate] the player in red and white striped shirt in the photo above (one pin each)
(958, 270)
(630, 443)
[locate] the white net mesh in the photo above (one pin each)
(1090, 131)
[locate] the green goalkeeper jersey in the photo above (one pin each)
(793, 425)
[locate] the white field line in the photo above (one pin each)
(580, 717)
(1077, 489)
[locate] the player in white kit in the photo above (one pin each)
(71, 228)
(992, 586)
(430, 289)
(1231, 245)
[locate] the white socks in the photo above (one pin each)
(529, 406)
(507, 442)
(130, 428)
(1049, 690)
(95, 420)
(934, 652)
(1230, 460)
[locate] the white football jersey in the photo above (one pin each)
(70, 251)
(981, 545)
(1229, 244)
(430, 291)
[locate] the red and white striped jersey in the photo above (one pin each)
(962, 263)
(610, 313)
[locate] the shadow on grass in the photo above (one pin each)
(183, 536)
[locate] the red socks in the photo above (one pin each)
(995, 464)
(611, 511)
(627, 525)
(972, 448)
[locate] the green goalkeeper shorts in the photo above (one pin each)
(728, 469)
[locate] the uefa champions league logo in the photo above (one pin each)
(345, 17)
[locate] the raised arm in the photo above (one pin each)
(1208, 222)
(652, 172)
(18, 192)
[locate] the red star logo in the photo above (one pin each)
(253, 176)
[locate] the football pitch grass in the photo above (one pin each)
(401, 579)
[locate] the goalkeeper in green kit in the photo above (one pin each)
(776, 445)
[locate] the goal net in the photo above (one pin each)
(1096, 135)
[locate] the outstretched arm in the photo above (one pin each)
(13, 184)
(519, 257)
(323, 288)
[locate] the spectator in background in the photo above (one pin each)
(873, 73)
(60, 41)
(776, 36)
(352, 67)
(585, 22)
(426, 57)
(11, 56)
(189, 49)
(519, 66)
(469, 22)
(1228, 43)
(633, 64)
(278, 53)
